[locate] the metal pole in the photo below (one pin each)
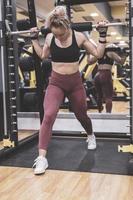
(33, 23)
(3, 76)
(131, 64)
(113, 24)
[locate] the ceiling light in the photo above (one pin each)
(122, 41)
(88, 18)
(94, 14)
(78, 8)
(113, 33)
(118, 38)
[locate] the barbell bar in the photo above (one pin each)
(114, 24)
(85, 26)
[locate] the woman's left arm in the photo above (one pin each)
(98, 50)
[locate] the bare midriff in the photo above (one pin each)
(65, 68)
(105, 67)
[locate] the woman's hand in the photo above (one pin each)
(102, 28)
(34, 33)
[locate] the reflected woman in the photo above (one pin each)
(103, 78)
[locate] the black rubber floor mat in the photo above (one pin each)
(72, 154)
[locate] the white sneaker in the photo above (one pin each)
(91, 139)
(40, 165)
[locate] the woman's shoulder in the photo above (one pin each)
(48, 38)
(79, 36)
(77, 33)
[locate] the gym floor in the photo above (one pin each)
(20, 182)
(118, 107)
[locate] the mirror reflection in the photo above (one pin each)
(117, 55)
(106, 80)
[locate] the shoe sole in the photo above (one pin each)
(41, 172)
(91, 148)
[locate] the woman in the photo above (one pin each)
(103, 78)
(63, 44)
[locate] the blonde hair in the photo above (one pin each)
(58, 17)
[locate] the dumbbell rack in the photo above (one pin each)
(11, 139)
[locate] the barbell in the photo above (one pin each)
(85, 26)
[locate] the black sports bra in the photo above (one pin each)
(68, 54)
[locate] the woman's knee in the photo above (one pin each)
(49, 118)
(108, 105)
(108, 100)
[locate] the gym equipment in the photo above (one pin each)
(122, 93)
(23, 24)
(1, 117)
(125, 148)
(87, 26)
(9, 76)
(27, 63)
(76, 2)
(3, 108)
(30, 102)
(39, 88)
(21, 44)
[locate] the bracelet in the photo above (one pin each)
(34, 38)
(102, 34)
(103, 42)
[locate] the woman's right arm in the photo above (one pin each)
(44, 52)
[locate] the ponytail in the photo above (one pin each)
(58, 18)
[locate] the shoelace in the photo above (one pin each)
(90, 139)
(87, 140)
(36, 161)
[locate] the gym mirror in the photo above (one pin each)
(115, 12)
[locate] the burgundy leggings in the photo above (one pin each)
(61, 86)
(104, 88)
